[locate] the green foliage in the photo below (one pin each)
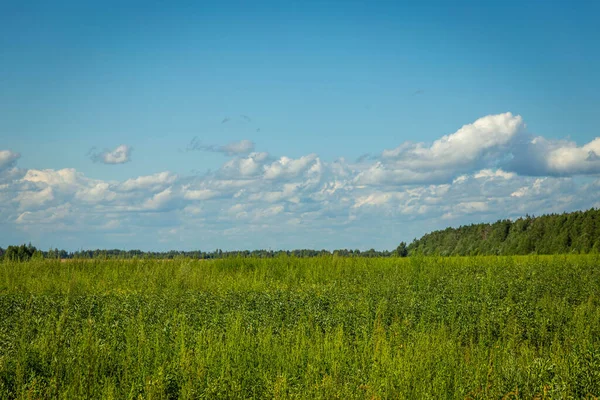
(206, 255)
(402, 250)
(329, 327)
(577, 232)
(20, 253)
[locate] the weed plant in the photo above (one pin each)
(331, 327)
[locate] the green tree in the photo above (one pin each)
(402, 250)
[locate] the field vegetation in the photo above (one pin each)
(324, 327)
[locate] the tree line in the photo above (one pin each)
(575, 232)
(27, 252)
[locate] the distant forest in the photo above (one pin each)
(27, 252)
(576, 232)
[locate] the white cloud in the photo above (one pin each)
(97, 193)
(245, 167)
(241, 147)
(491, 174)
(8, 159)
(199, 194)
(373, 199)
(286, 167)
(159, 200)
(382, 174)
(263, 200)
(33, 199)
(462, 147)
(46, 216)
(120, 155)
(153, 182)
(472, 146)
(540, 156)
(288, 193)
(65, 179)
(39, 187)
(519, 192)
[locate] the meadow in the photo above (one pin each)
(517, 327)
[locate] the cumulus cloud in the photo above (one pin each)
(464, 146)
(153, 182)
(286, 167)
(485, 170)
(8, 170)
(241, 147)
(245, 167)
(473, 145)
(381, 173)
(64, 178)
(231, 149)
(45, 216)
(120, 155)
(34, 199)
(96, 193)
(159, 200)
(540, 156)
(8, 159)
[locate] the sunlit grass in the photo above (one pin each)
(480, 327)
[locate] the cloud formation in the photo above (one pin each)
(489, 169)
(8, 159)
(120, 155)
(473, 146)
(539, 156)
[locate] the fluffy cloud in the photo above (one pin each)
(8, 159)
(286, 167)
(540, 156)
(486, 170)
(245, 167)
(120, 155)
(34, 199)
(463, 147)
(96, 193)
(46, 216)
(159, 200)
(149, 182)
(474, 145)
(8, 170)
(241, 147)
(65, 179)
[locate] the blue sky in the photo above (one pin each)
(291, 124)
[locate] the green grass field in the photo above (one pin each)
(414, 328)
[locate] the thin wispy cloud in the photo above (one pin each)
(233, 148)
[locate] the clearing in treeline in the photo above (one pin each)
(324, 327)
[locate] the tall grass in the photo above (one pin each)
(426, 328)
